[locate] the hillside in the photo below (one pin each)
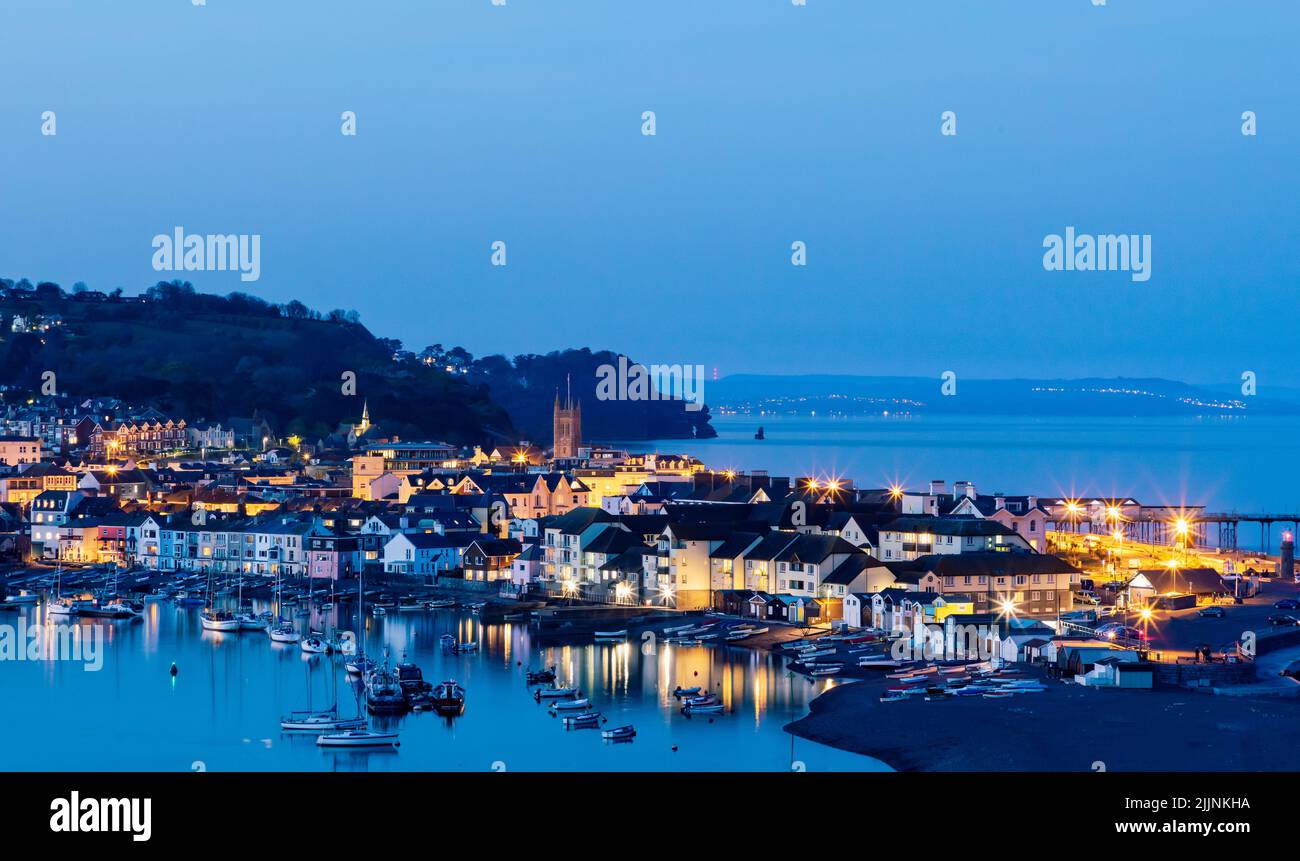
(208, 357)
(211, 357)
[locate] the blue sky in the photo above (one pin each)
(775, 123)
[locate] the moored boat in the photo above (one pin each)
(359, 738)
(577, 704)
(284, 632)
(449, 698)
(619, 733)
(680, 691)
(611, 635)
(315, 644)
(218, 620)
(554, 693)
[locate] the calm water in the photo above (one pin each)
(221, 712)
(1246, 464)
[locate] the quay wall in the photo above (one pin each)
(1189, 675)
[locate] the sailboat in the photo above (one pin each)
(283, 630)
(248, 620)
(60, 606)
(361, 665)
(213, 619)
(309, 720)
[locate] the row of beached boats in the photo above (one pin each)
(936, 683)
(709, 632)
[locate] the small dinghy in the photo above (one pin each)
(680, 691)
(893, 696)
(826, 669)
(554, 693)
(571, 705)
(612, 635)
(998, 695)
(708, 708)
(464, 648)
(359, 738)
(447, 640)
(587, 719)
(678, 629)
(541, 676)
(360, 666)
(378, 611)
(440, 604)
(618, 733)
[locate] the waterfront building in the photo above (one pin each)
(16, 450)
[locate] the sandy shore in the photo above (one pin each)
(1066, 728)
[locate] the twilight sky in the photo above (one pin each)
(775, 123)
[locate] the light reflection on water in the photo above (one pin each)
(221, 710)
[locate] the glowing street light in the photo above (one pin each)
(622, 592)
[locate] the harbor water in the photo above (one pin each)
(221, 709)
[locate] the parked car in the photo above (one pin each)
(1212, 612)
(1281, 619)
(1287, 604)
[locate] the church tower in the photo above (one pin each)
(566, 425)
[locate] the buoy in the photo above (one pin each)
(674, 748)
(174, 671)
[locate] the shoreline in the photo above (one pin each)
(1066, 728)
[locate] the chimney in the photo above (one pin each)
(999, 502)
(1033, 502)
(938, 487)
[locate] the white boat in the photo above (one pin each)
(285, 633)
(679, 629)
(826, 669)
(707, 708)
(218, 620)
(680, 691)
(360, 665)
(882, 661)
(315, 645)
(815, 653)
(584, 719)
(320, 722)
(121, 610)
(612, 635)
(250, 622)
(359, 738)
(554, 693)
(440, 604)
(619, 732)
(571, 705)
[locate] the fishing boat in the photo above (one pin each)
(571, 705)
(619, 733)
(611, 635)
(218, 620)
(284, 632)
(449, 698)
(680, 691)
(410, 678)
(359, 738)
(315, 644)
(554, 693)
(384, 693)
